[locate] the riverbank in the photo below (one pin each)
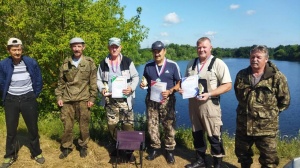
(98, 152)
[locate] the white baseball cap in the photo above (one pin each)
(76, 40)
(14, 41)
(114, 41)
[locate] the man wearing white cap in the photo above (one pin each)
(20, 85)
(75, 94)
(117, 109)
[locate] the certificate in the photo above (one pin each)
(118, 84)
(156, 89)
(189, 85)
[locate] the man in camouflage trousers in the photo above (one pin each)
(118, 110)
(161, 69)
(262, 93)
(76, 93)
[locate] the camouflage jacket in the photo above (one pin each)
(77, 84)
(259, 106)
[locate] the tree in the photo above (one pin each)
(45, 28)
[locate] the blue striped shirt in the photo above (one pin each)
(20, 81)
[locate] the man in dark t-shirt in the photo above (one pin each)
(161, 69)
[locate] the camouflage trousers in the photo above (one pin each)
(70, 112)
(265, 144)
(119, 116)
(164, 113)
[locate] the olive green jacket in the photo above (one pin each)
(259, 106)
(77, 84)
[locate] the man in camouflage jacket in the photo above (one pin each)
(262, 93)
(75, 94)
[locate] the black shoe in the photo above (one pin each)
(152, 155)
(217, 162)
(65, 153)
(83, 152)
(198, 164)
(130, 157)
(170, 157)
(245, 165)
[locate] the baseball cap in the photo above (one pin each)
(14, 41)
(76, 40)
(158, 45)
(114, 41)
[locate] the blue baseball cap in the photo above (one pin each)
(158, 45)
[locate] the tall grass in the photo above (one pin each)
(51, 127)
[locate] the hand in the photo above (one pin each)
(90, 104)
(127, 91)
(104, 93)
(142, 85)
(203, 97)
(180, 91)
(166, 93)
(60, 103)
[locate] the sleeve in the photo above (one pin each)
(177, 73)
(100, 84)
(93, 82)
(224, 74)
(39, 80)
(60, 85)
(283, 93)
(134, 76)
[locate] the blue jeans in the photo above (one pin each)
(26, 105)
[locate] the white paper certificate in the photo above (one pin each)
(189, 85)
(156, 89)
(118, 84)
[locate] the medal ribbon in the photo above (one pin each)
(159, 72)
(200, 68)
(116, 65)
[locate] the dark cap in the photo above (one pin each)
(158, 45)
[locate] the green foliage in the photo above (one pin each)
(185, 52)
(45, 28)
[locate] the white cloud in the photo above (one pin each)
(166, 42)
(250, 12)
(164, 34)
(210, 33)
(172, 18)
(234, 6)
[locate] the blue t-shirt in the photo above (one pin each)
(170, 73)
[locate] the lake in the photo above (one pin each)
(289, 119)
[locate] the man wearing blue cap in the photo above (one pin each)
(20, 84)
(75, 94)
(118, 110)
(161, 69)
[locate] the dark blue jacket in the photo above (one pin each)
(6, 71)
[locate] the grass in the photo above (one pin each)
(50, 130)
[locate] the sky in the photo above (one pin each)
(228, 23)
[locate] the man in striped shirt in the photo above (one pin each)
(20, 85)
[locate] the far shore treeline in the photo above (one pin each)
(46, 27)
(186, 52)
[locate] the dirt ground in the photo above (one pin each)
(98, 157)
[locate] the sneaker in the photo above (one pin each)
(65, 153)
(8, 162)
(39, 159)
(83, 152)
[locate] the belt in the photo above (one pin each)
(119, 99)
